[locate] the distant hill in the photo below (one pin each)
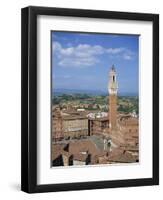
(89, 92)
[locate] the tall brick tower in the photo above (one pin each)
(113, 89)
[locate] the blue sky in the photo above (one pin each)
(82, 61)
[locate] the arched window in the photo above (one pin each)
(113, 78)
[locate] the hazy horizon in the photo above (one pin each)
(89, 92)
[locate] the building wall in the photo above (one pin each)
(63, 127)
(130, 125)
(130, 128)
(57, 127)
(97, 127)
(75, 127)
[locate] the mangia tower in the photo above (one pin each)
(113, 89)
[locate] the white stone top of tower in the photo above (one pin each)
(113, 84)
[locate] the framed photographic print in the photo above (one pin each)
(90, 99)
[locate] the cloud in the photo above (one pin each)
(115, 50)
(84, 55)
(81, 55)
(89, 61)
(128, 55)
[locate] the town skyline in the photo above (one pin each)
(91, 130)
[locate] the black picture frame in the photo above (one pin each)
(29, 99)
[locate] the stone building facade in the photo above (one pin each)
(129, 126)
(98, 126)
(75, 126)
(68, 126)
(57, 125)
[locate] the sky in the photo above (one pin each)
(81, 61)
